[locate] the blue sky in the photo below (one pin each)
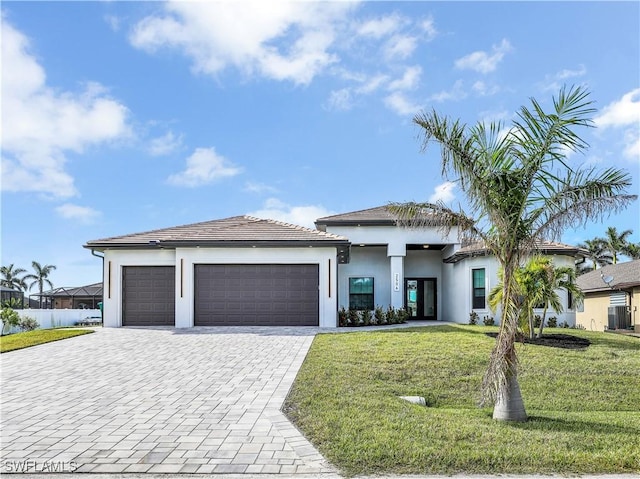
(119, 117)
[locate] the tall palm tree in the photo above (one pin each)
(40, 277)
(597, 253)
(615, 243)
(520, 189)
(11, 277)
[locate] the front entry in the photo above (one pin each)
(420, 298)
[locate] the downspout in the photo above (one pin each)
(93, 252)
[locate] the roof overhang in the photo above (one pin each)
(168, 244)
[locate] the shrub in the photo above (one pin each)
(488, 321)
(379, 316)
(9, 318)
(343, 319)
(401, 316)
(552, 322)
(28, 324)
(563, 324)
(391, 315)
(537, 320)
(365, 317)
(473, 318)
(578, 326)
(353, 317)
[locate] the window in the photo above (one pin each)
(361, 293)
(478, 290)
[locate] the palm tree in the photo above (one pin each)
(597, 253)
(40, 277)
(632, 250)
(615, 243)
(520, 189)
(11, 277)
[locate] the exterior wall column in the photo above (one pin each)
(396, 253)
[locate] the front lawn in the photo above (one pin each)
(583, 404)
(39, 336)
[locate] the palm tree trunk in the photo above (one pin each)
(509, 405)
(544, 317)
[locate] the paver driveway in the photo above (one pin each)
(200, 400)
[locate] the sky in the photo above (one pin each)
(121, 117)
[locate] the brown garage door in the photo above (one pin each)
(256, 295)
(148, 296)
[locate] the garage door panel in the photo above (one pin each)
(148, 296)
(256, 295)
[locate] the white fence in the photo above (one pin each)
(55, 318)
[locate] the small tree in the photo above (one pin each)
(9, 319)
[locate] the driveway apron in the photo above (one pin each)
(199, 400)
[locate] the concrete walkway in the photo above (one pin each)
(200, 400)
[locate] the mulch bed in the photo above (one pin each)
(564, 341)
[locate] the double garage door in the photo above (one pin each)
(225, 295)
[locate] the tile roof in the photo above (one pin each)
(379, 214)
(545, 247)
(233, 231)
(625, 275)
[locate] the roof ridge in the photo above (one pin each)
(296, 227)
(355, 212)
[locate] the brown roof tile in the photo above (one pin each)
(545, 247)
(223, 232)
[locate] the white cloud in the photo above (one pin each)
(483, 89)
(408, 81)
(623, 112)
(254, 187)
(204, 166)
(248, 36)
(456, 93)
(399, 103)
(371, 84)
(340, 100)
(555, 82)
(298, 215)
(443, 192)
(113, 22)
(482, 61)
(428, 26)
(165, 144)
(399, 47)
(381, 27)
(83, 214)
(47, 124)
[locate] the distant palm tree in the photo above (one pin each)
(40, 277)
(632, 250)
(11, 277)
(615, 243)
(598, 255)
(520, 190)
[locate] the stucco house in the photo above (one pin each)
(611, 297)
(250, 271)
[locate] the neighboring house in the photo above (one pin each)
(612, 297)
(8, 294)
(249, 271)
(82, 297)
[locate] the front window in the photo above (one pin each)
(361, 293)
(478, 289)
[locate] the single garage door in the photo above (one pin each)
(148, 296)
(256, 295)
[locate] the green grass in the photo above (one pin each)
(39, 336)
(583, 404)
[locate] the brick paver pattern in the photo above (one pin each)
(158, 400)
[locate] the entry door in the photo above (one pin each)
(420, 298)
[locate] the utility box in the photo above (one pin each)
(619, 317)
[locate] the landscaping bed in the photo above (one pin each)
(582, 404)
